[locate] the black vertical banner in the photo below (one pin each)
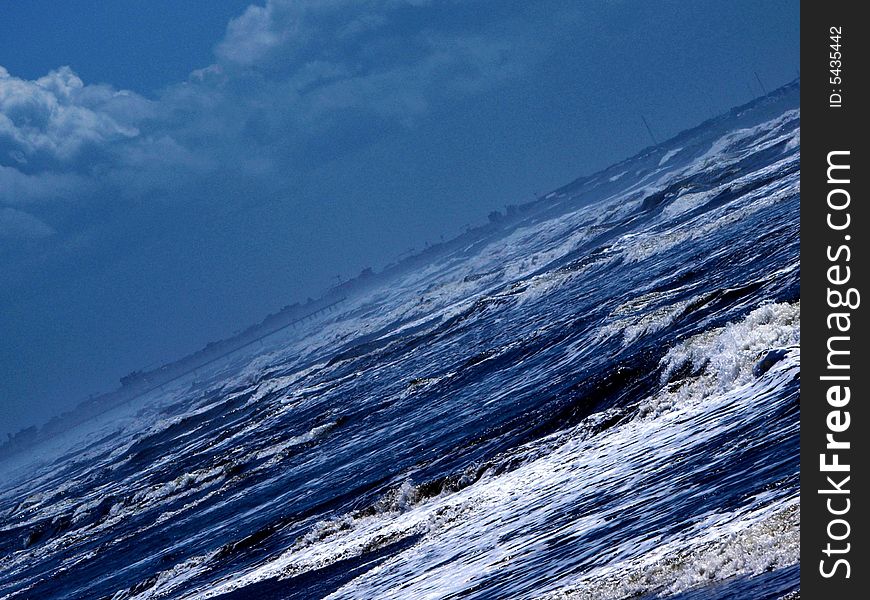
(835, 424)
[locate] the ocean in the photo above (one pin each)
(594, 397)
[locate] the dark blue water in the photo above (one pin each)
(596, 399)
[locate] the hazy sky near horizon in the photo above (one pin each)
(171, 171)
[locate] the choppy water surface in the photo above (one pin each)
(598, 400)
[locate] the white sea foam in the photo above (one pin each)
(669, 155)
(498, 523)
(751, 545)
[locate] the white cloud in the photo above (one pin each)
(251, 36)
(288, 72)
(52, 119)
(282, 31)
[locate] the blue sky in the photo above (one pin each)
(172, 171)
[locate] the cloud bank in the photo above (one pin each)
(294, 83)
